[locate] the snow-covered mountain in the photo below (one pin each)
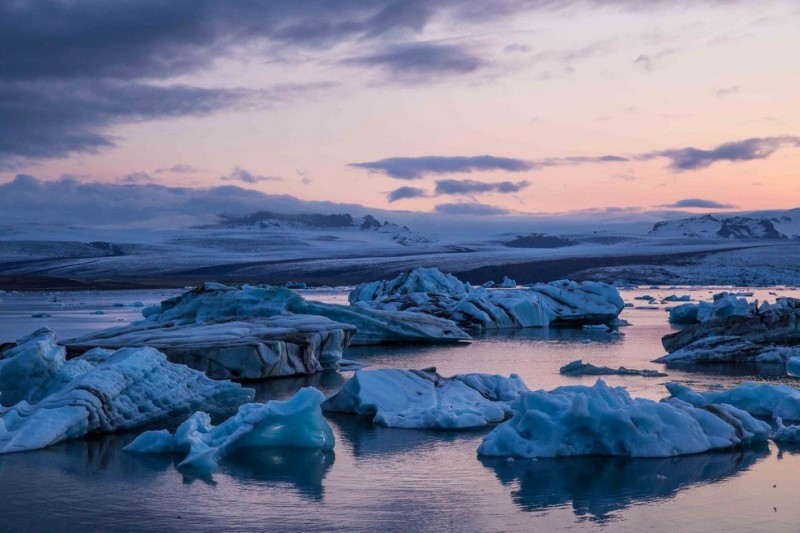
(710, 227)
(289, 222)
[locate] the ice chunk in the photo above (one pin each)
(601, 420)
(294, 423)
(434, 293)
(773, 401)
(232, 348)
(786, 434)
(728, 349)
(579, 368)
(423, 399)
(676, 298)
(793, 366)
(213, 301)
(46, 399)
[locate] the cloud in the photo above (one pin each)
(240, 174)
(404, 193)
(698, 203)
(28, 200)
(747, 150)
(421, 62)
(137, 177)
(412, 168)
(727, 91)
(180, 168)
(479, 187)
(470, 208)
(52, 119)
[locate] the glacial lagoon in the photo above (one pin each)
(387, 479)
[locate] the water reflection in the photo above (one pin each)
(329, 382)
(598, 486)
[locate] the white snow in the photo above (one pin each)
(773, 401)
(423, 399)
(46, 399)
(603, 420)
(294, 423)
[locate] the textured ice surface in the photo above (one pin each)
(603, 420)
(729, 349)
(212, 301)
(773, 401)
(294, 423)
(423, 399)
(432, 292)
(47, 399)
(236, 348)
(579, 368)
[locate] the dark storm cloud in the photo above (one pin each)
(479, 187)
(747, 150)
(421, 62)
(470, 208)
(404, 193)
(245, 176)
(412, 168)
(699, 203)
(51, 119)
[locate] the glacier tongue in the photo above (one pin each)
(294, 423)
(603, 420)
(424, 399)
(47, 399)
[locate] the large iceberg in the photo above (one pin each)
(728, 349)
(764, 400)
(423, 399)
(294, 423)
(603, 420)
(724, 305)
(236, 348)
(213, 301)
(429, 291)
(46, 399)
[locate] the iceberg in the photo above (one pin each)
(47, 399)
(294, 423)
(763, 400)
(236, 348)
(728, 349)
(793, 366)
(777, 323)
(424, 399)
(579, 368)
(429, 291)
(602, 420)
(213, 301)
(785, 434)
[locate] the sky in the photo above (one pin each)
(457, 108)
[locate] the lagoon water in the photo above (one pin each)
(412, 480)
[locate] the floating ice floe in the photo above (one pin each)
(772, 401)
(729, 349)
(46, 399)
(429, 291)
(579, 368)
(603, 420)
(294, 423)
(676, 298)
(236, 348)
(212, 301)
(424, 399)
(724, 305)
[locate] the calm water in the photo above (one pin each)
(393, 479)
